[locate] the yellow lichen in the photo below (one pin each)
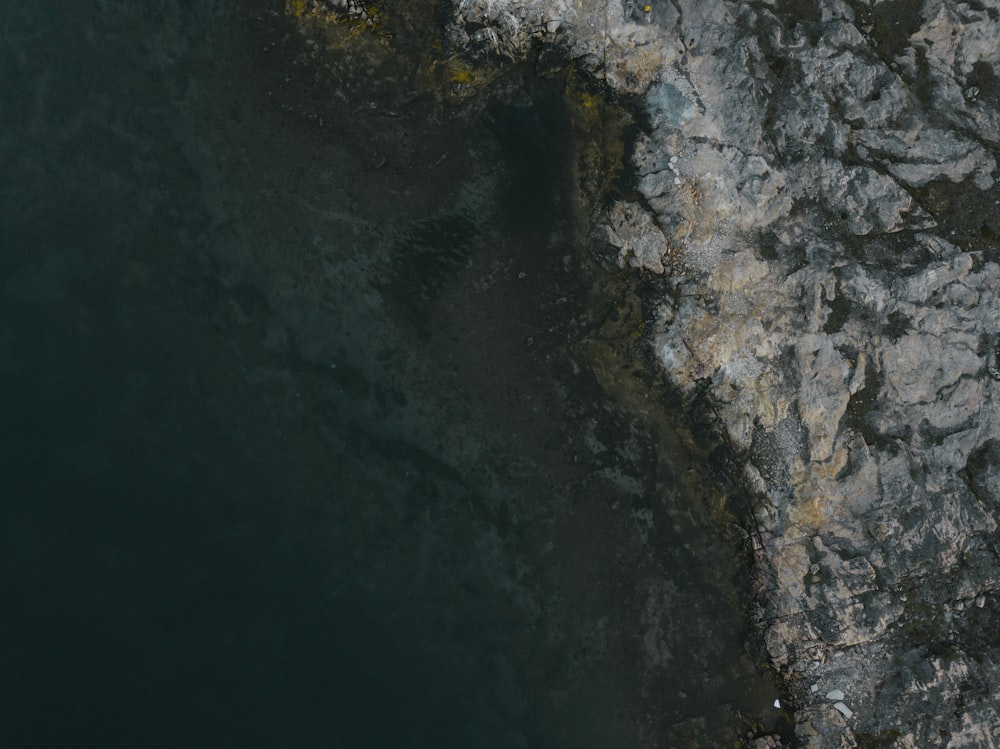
(460, 75)
(456, 77)
(597, 124)
(314, 16)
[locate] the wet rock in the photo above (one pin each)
(843, 709)
(640, 242)
(843, 313)
(766, 742)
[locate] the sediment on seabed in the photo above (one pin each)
(501, 169)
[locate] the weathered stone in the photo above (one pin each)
(640, 242)
(847, 336)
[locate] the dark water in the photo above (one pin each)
(316, 429)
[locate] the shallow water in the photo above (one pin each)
(320, 426)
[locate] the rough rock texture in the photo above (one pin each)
(820, 176)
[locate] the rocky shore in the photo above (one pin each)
(816, 182)
(501, 373)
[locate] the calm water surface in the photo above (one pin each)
(316, 429)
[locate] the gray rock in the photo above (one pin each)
(844, 709)
(824, 179)
(640, 242)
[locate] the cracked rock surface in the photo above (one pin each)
(820, 176)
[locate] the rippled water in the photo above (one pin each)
(320, 427)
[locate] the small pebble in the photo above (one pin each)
(844, 709)
(835, 695)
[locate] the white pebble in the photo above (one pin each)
(835, 694)
(777, 704)
(844, 709)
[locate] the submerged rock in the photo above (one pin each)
(817, 182)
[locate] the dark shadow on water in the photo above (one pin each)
(429, 256)
(534, 133)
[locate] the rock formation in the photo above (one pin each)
(816, 179)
